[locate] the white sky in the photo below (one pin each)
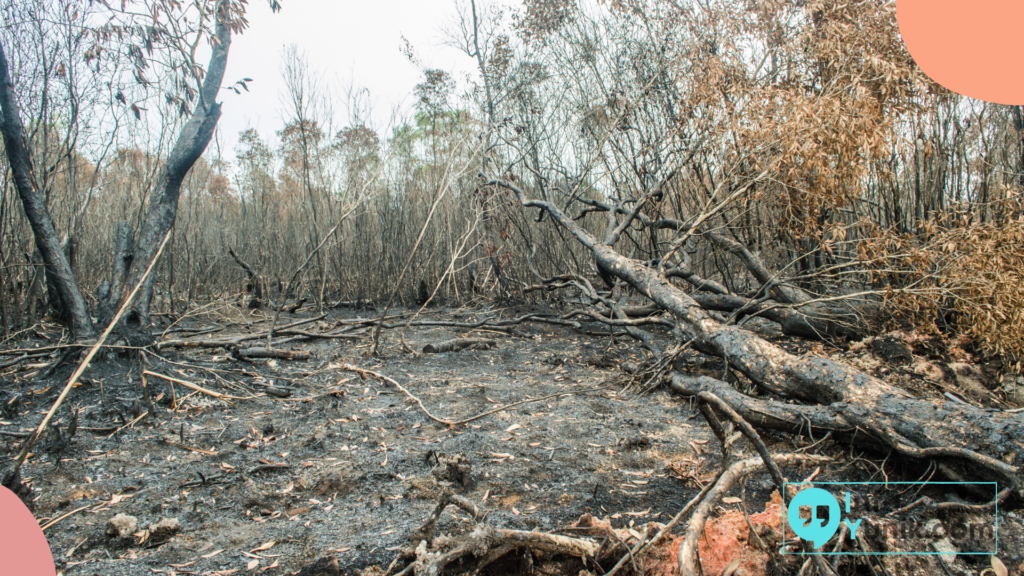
(345, 42)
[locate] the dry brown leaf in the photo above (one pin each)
(264, 546)
(998, 567)
(297, 511)
(117, 498)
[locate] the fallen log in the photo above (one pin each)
(912, 427)
(324, 335)
(262, 352)
(352, 304)
(793, 323)
(816, 317)
(458, 344)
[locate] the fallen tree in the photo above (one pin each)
(867, 410)
(797, 312)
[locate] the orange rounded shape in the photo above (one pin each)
(23, 548)
(969, 46)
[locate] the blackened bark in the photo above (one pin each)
(913, 427)
(109, 292)
(254, 285)
(191, 143)
(792, 323)
(69, 300)
(459, 344)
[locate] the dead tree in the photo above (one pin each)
(190, 145)
(872, 412)
(254, 283)
(796, 311)
(109, 291)
(70, 302)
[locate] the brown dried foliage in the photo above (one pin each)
(958, 276)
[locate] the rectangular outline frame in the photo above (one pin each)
(996, 518)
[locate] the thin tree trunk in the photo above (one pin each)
(191, 143)
(109, 293)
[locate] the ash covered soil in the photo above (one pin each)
(346, 467)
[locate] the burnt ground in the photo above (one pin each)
(344, 467)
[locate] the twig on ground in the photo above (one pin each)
(10, 363)
(195, 387)
(667, 528)
(430, 556)
(131, 423)
(53, 522)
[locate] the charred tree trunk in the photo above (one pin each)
(254, 285)
(109, 292)
(471, 272)
(68, 300)
(861, 403)
(912, 427)
(191, 143)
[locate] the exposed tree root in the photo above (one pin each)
(912, 427)
(728, 477)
